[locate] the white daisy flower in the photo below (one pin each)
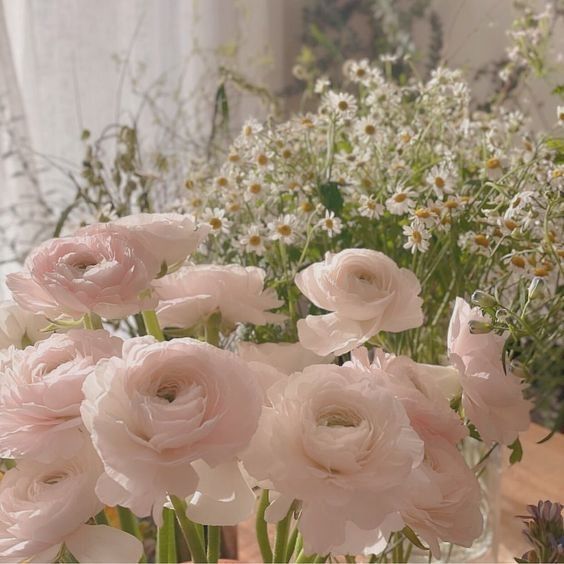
(400, 202)
(283, 229)
(331, 224)
(253, 241)
(216, 218)
(370, 208)
(417, 237)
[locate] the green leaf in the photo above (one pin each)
(516, 451)
(559, 90)
(331, 197)
(474, 432)
(409, 534)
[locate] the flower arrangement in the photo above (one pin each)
(145, 398)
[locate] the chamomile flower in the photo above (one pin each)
(254, 188)
(401, 201)
(369, 207)
(366, 128)
(283, 229)
(216, 218)
(342, 104)
(440, 178)
(331, 224)
(417, 237)
(253, 241)
(321, 85)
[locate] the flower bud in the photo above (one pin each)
(479, 327)
(483, 299)
(536, 288)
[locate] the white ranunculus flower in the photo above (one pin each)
(340, 444)
(365, 291)
(43, 506)
(19, 327)
(160, 412)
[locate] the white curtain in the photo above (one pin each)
(70, 65)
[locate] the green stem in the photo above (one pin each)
(92, 321)
(166, 541)
(189, 530)
(262, 529)
(128, 522)
(101, 518)
(292, 543)
(282, 530)
(152, 325)
(214, 543)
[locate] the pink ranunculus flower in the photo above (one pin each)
(161, 408)
(193, 293)
(341, 445)
(443, 498)
(43, 506)
(170, 237)
(104, 270)
(492, 400)
(423, 389)
(19, 327)
(41, 393)
(275, 361)
(365, 291)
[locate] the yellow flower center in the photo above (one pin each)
(518, 261)
(343, 105)
(439, 182)
(254, 240)
(255, 188)
(493, 163)
(284, 230)
(262, 160)
(401, 197)
(481, 240)
(216, 223)
(369, 129)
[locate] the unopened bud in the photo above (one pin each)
(479, 327)
(483, 299)
(536, 288)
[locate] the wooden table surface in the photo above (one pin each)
(540, 475)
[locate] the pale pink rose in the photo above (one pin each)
(19, 327)
(170, 237)
(193, 293)
(43, 506)
(339, 443)
(161, 408)
(443, 498)
(420, 388)
(41, 393)
(492, 400)
(105, 270)
(366, 292)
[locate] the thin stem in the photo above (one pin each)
(292, 543)
(262, 529)
(101, 518)
(211, 329)
(214, 543)
(166, 540)
(92, 321)
(152, 325)
(189, 530)
(282, 530)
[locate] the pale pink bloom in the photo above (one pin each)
(421, 389)
(170, 237)
(193, 293)
(492, 400)
(41, 393)
(443, 498)
(275, 361)
(162, 407)
(43, 506)
(339, 443)
(366, 292)
(19, 327)
(104, 270)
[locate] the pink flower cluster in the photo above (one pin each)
(358, 449)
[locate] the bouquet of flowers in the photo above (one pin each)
(135, 385)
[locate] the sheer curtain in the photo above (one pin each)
(69, 65)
